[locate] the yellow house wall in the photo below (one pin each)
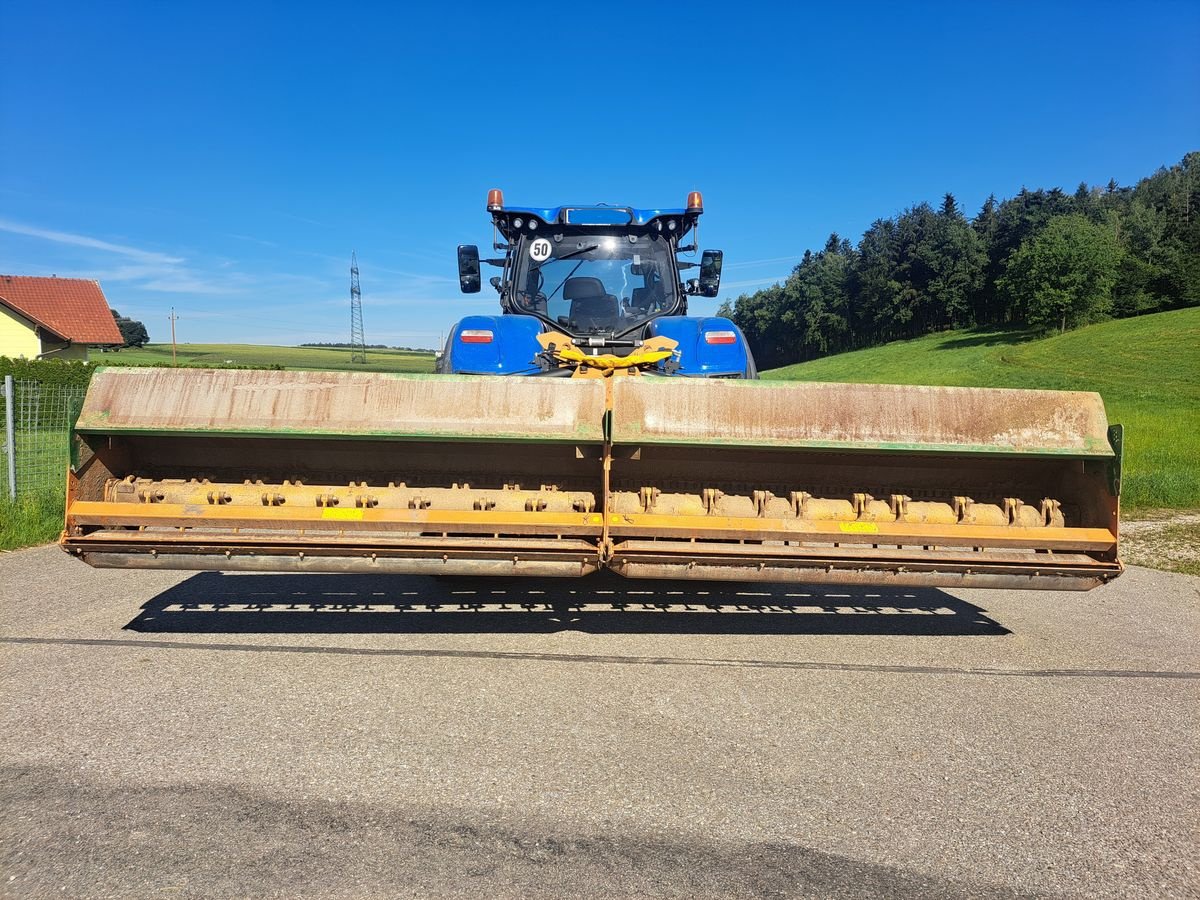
(64, 351)
(17, 336)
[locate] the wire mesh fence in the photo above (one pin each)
(37, 424)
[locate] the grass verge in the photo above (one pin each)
(35, 518)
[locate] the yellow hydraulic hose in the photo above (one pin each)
(648, 354)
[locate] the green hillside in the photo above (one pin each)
(260, 355)
(1147, 369)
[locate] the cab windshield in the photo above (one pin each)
(595, 284)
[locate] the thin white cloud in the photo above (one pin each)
(422, 301)
(753, 282)
(82, 240)
(183, 283)
(414, 276)
(303, 219)
(225, 292)
(150, 270)
(748, 263)
(161, 278)
(253, 240)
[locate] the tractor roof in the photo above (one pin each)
(595, 215)
(512, 220)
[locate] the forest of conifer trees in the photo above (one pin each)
(1042, 261)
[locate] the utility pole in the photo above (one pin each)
(358, 341)
(173, 317)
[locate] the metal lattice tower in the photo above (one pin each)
(358, 341)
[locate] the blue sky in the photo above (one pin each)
(224, 159)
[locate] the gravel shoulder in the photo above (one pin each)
(1168, 540)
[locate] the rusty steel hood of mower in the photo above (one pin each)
(815, 415)
(381, 406)
(881, 417)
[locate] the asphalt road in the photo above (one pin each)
(179, 735)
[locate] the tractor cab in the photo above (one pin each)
(598, 273)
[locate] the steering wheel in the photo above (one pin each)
(538, 301)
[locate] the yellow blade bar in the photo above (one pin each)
(730, 528)
(84, 512)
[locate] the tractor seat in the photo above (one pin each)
(591, 305)
(644, 299)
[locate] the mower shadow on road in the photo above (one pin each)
(215, 603)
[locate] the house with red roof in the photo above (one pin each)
(54, 318)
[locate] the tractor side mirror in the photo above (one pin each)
(468, 268)
(710, 273)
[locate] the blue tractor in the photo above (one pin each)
(595, 290)
(714, 475)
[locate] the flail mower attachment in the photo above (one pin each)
(651, 477)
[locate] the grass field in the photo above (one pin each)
(1147, 369)
(315, 358)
